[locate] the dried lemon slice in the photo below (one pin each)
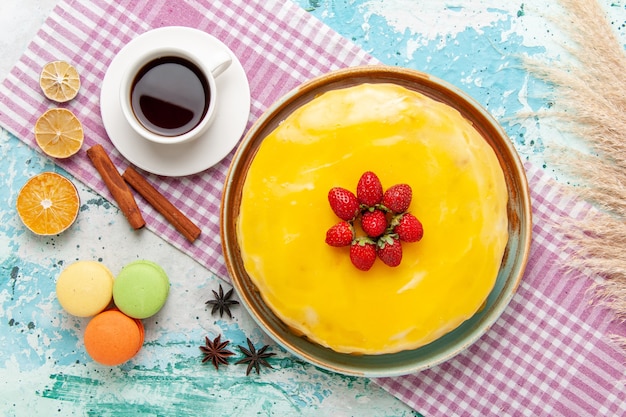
(48, 203)
(59, 81)
(59, 133)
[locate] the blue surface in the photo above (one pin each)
(43, 366)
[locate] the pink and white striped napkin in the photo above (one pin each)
(548, 353)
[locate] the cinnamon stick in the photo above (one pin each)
(182, 223)
(116, 185)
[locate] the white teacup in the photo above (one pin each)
(168, 95)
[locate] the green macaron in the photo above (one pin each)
(140, 289)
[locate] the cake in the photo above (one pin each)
(85, 288)
(141, 289)
(459, 195)
(112, 338)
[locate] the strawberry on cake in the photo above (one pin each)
(373, 219)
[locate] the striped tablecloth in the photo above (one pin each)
(547, 355)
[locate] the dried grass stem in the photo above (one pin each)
(589, 99)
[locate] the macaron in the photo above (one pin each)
(112, 338)
(85, 288)
(140, 289)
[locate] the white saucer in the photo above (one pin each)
(233, 109)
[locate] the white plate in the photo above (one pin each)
(233, 109)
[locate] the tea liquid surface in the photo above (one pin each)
(170, 96)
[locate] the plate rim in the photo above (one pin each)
(499, 301)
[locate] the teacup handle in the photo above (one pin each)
(222, 62)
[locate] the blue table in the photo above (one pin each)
(43, 366)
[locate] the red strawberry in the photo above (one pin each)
(363, 253)
(408, 227)
(369, 190)
(389, 250)
(344, 203)
(397, 198)
(340, 234)
(374, 222)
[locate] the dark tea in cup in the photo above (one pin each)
(170, 96)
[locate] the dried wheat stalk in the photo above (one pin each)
(590, 103)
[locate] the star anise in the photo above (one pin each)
(215, 351)
(254, 357)
(222, 302)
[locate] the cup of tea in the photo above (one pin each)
(168, 95)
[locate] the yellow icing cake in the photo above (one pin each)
(459, 195)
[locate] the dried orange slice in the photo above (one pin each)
(48, 203)
(59, 81)
(59, 133)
